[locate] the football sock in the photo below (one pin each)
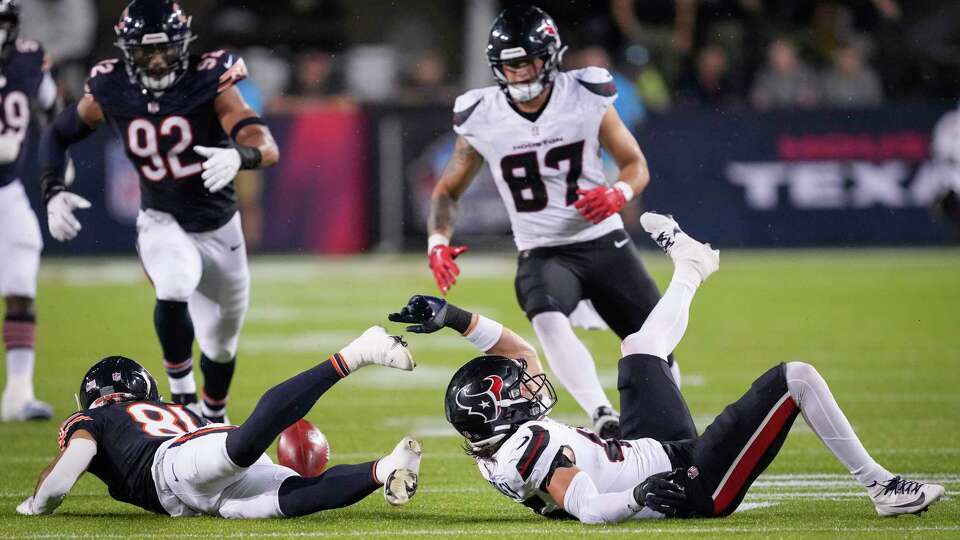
(279, 408)
(825, 418)
(664, 327)
(175, 332)
(19, 338)
(216, 384)
(570, 360)
(338, 486)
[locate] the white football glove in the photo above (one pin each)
(220, 167)
(26, 507)
(60, 220)
(9, 148)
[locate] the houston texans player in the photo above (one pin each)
(166, 459)
(187, 131)
(499, 404)
(25, 83)
(541, 131)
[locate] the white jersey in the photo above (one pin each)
(523, 461)
(538, 166)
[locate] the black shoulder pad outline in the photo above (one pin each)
(535, 448)
(460, 117)
(605, 89)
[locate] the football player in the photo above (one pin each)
(499, 404)
(25, 83)
(187, 131)
(164, 458)
(541, 132)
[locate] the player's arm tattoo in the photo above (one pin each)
(456, 177)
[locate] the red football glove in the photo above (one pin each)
(599, 203)
(445, 271)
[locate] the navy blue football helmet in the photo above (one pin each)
(490, 397)
(155, 37)
(521, 34)
(116, 379)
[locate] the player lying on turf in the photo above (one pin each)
(499, 403)
(166, 459)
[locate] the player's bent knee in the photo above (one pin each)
(801, 370)
(644, 342)
(178, 287)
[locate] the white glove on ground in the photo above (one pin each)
(60, 219)
(220, 167)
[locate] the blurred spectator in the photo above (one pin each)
(785, 82)
(628, 104)
(709, 84)
(67, 29)
(428, 81)
(850, 83)
(664, 27)
(315, 80)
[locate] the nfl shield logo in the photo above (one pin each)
(153, 107)
(116, 377)
(693, 472)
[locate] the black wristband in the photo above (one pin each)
(249, 157)
(249, 121)
(458, 319)
(51, 183)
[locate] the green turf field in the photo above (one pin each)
(882, 326)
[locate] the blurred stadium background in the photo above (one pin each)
(767, 124)
(774, 123)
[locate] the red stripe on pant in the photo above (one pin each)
(744, 465)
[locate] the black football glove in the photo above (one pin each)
(659, 493)
(428, 313)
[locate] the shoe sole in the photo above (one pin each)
(401, 486)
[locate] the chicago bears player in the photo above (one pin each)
(166, 459)
(24, 84)
(541, 131)
(187, 131)
(499, 403)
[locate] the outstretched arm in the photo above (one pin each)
(427, 314)
(58, 478)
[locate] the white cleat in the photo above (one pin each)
(375, 346)
(679, 245)
(898, 496)
(14, 410)
(401, 484)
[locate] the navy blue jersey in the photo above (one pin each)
(128, 435)
(20, 81)
(159, 134)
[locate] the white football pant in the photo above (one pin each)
(207, 270)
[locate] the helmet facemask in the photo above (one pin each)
(157, 76)
(530, 89)
(9, 30)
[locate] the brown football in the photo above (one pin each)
(303, 448)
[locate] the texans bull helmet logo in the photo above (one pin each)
(485, 403)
